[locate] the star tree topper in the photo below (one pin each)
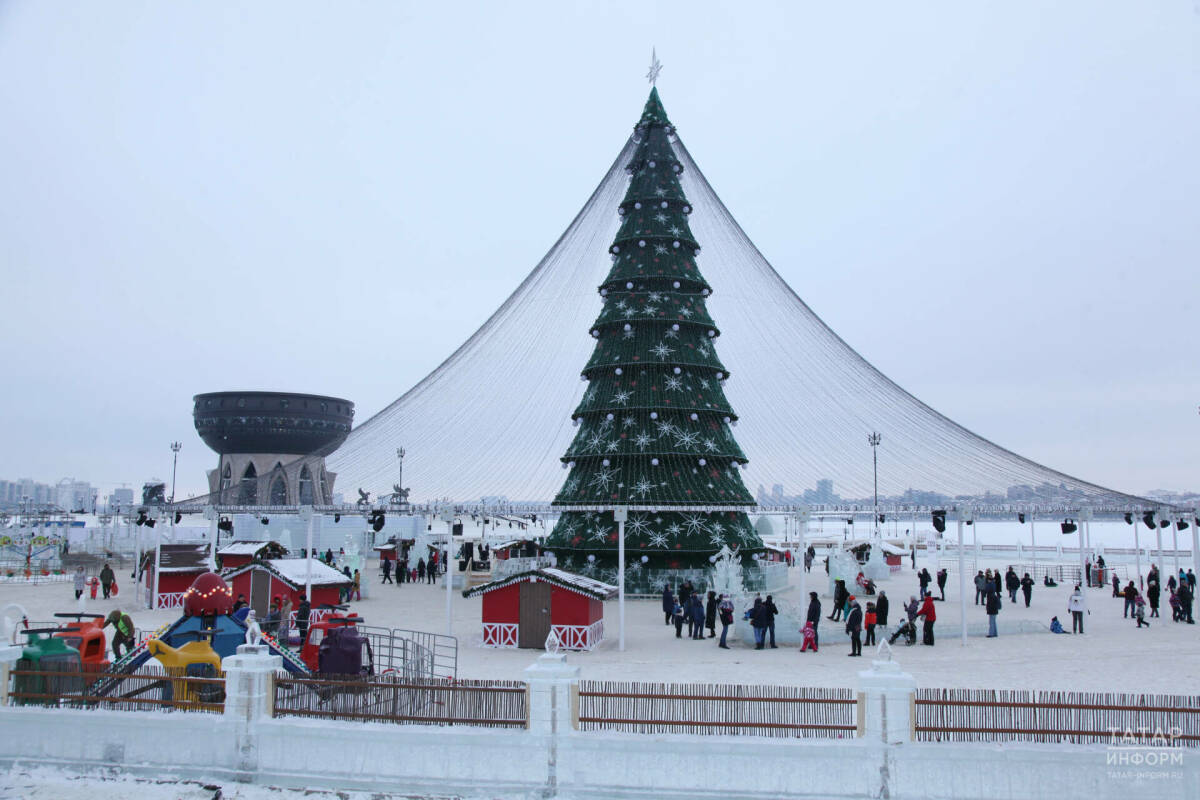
(655, 68)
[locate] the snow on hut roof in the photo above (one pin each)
(554, 576)
(382, 547)
(182, 557)
(293, 570)
(241, 548)
(892, 549)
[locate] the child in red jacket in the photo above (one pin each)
(869, 621)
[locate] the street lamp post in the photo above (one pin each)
(874, 439)
(175, 448)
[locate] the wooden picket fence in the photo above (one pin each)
(404, 701)
(147, 688)
(990, 715)
(721, 709)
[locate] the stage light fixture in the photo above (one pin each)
(1128, 518)
(1182, 524)
(1164, 523)
(265, 521)
(939, 520)
(178, 517)
(1148, 518)
(1021, 518)
(1069, 526)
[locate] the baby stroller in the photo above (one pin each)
(906, 629)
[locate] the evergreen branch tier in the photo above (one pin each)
(655, 428)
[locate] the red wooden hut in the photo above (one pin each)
(522, 609)
(259, 581)
(179, 565)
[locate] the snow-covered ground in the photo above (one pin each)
(43, 783)
(1112, 656)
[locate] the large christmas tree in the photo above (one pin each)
(654, 424)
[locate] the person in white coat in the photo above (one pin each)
(1075, 606)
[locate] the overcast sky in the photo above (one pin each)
(995, 203)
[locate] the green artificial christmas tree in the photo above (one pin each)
(654, 424)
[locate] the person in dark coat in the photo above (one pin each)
(758, 622)
(697, 629)
(770, 611)
(980, 585)
(677, 618)
(668, 603)
(1027, 588)
(941, 582)
(924, 578)
(993, 609)
(1130, 594)
(387, 571)
(420, 569)
(1012, 583)
(1116, 584)
(839, 599)
(725, 609)
(710, 615)
(881, 610)
(814, 614)
(1152, 591)
(854, 621)
(1185, 602)
(303, 613)
(106, 579)
(685, 593)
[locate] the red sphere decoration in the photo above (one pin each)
(208, 594)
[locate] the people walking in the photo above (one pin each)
(942, 574)
(420, 570)
(980, 582)
(387, 571)
(1027, 588)
(668, 603)
(677, 618)
(1130, 593)
(869, 620)
(1075, 606)
(814, 616)
(106, 580)
(924, 580)
(839, 599)
(1185, 601)
(854, 621)
(927, 611)
(1152, 591)
(881, 609)
(80, 582)
(1012, 583)
(725, 609)
(1139, 611)
(993, 610)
